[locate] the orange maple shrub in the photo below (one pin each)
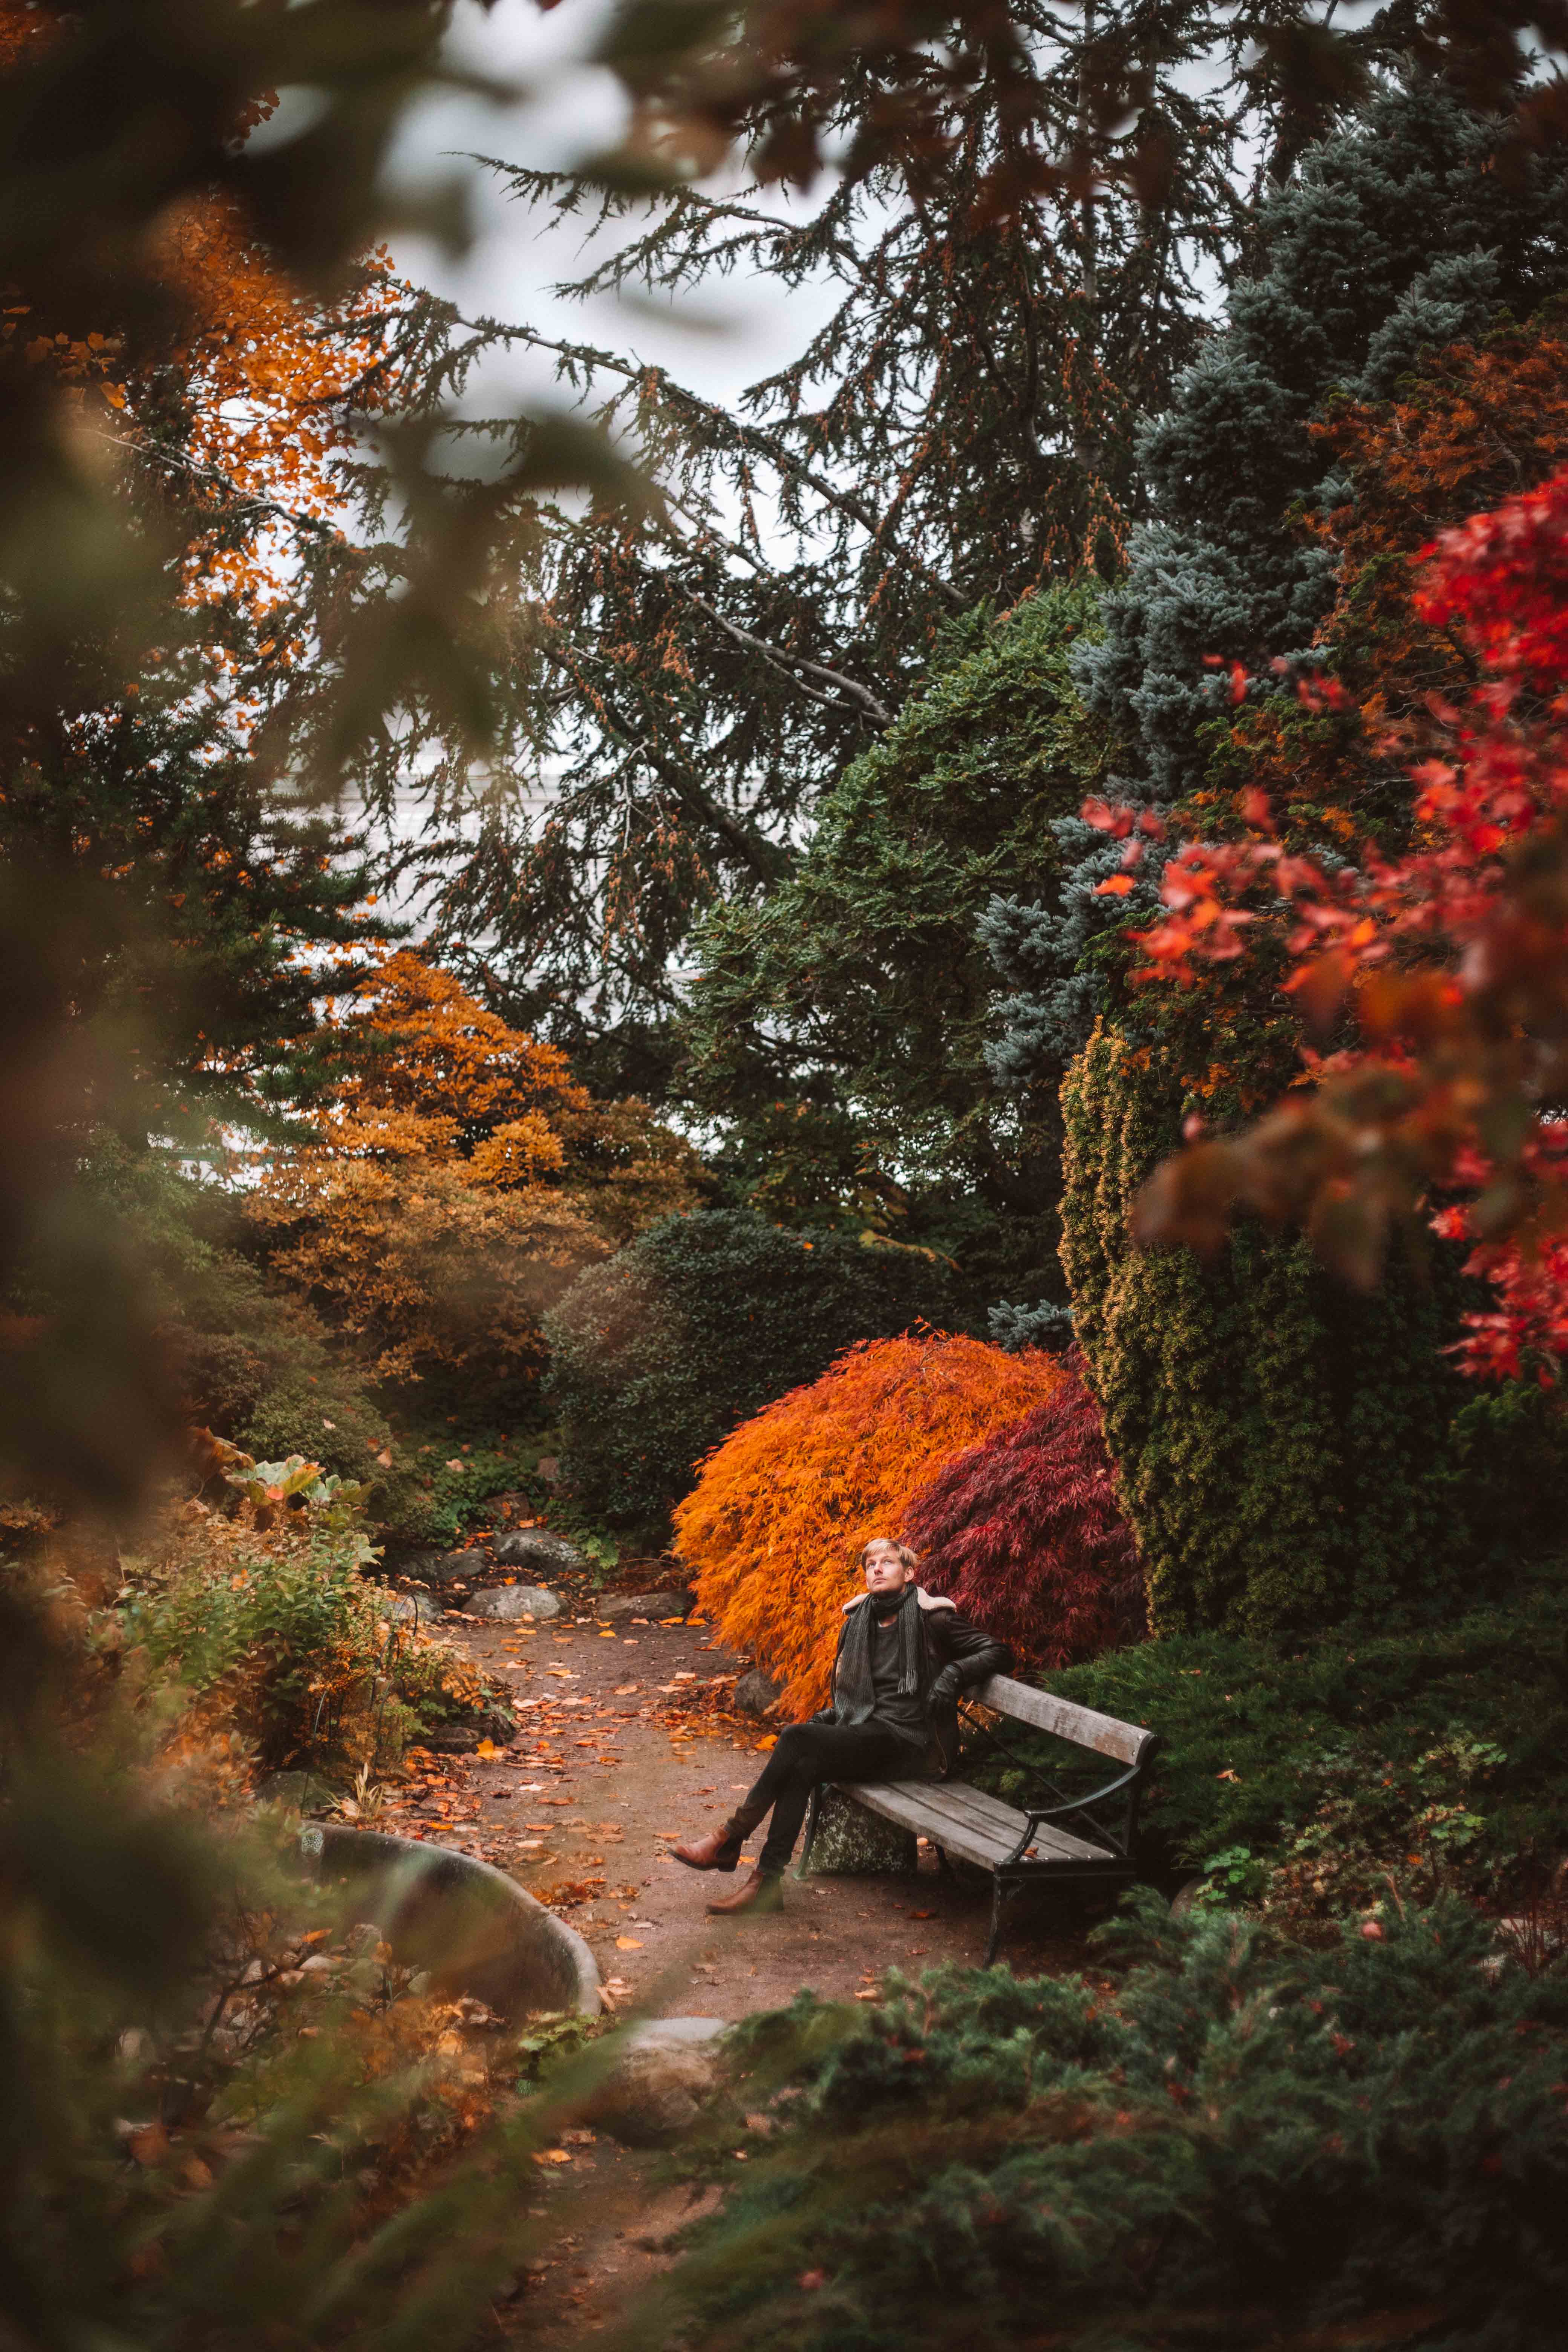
(455, 1181)
(779, 1515)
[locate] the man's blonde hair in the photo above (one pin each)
(908, 1559)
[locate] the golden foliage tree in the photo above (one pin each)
(456, 1180)
(777, 1519)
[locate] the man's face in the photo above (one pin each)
(885, 1571)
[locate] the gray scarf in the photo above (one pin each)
(854, 1694)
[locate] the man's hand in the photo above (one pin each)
(945, 1689)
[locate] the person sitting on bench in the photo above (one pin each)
(904, 1655)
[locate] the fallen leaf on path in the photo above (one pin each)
(629, 1943)
(922, 1915)
(552, 2156)
(487, 1748)
(771, 1741)
(626, 1690)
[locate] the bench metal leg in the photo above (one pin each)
(995, 1920)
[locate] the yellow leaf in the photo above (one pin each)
(487, 1748)
(628, 1944)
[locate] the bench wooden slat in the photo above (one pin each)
(979, 1829)
(1045, 1712)
(988, 1812)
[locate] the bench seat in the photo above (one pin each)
(1016, 1844)
(966, 1821)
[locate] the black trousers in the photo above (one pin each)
(807, 1755)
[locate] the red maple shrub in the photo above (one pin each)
(1025, 1533)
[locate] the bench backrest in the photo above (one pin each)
(1043, 1712)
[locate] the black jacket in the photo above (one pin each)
(954, 1656)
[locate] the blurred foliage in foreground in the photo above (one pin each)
(225, 2115)
(1214, 2139)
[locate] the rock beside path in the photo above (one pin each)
(505, 1603)
(538, 1549)
(756, 1693)
(462, 1739)
(410, 1608)
(645, 1604)
(455, 1567)
(852, 1843)
(662, 2079)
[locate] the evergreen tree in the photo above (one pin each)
(1284, 1445)
(1401, 232)
(1020, 238)
(839, 1025)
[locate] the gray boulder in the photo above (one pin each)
(462, 1739)
(754, 1693)
(537, 1550)
(456, 1567)
(420, 1562)
(645, 1604)
(505, 1603)
(666, 2072)
(301, 1792)
(852, 1843)
(409, 1608)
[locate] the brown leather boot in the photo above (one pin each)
(721, 1849)
(760, 1892)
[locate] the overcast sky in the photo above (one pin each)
(742, 331)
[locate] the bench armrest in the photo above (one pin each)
(1037, 1814)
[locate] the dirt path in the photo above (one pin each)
(613, 1764)
(621, 1753)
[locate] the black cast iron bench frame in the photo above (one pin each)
(1022, 1846)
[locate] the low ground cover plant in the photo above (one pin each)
(1214, 2138)
(1366, 1767)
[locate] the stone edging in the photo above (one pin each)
(474, 1929)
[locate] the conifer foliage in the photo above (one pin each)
(776, 1523)
(1025, 1532)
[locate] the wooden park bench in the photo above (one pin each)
(1020, 1847)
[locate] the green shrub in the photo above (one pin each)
(279, 1635)
(1278, 1758)
(658, 1354)
(1290, 1453)
(1240, 2143)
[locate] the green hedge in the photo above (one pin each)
(1239, 2143)
(1353, 1747)
(1291, 1454)
(659, 1353)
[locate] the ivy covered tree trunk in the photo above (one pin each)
(1283, 1443)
